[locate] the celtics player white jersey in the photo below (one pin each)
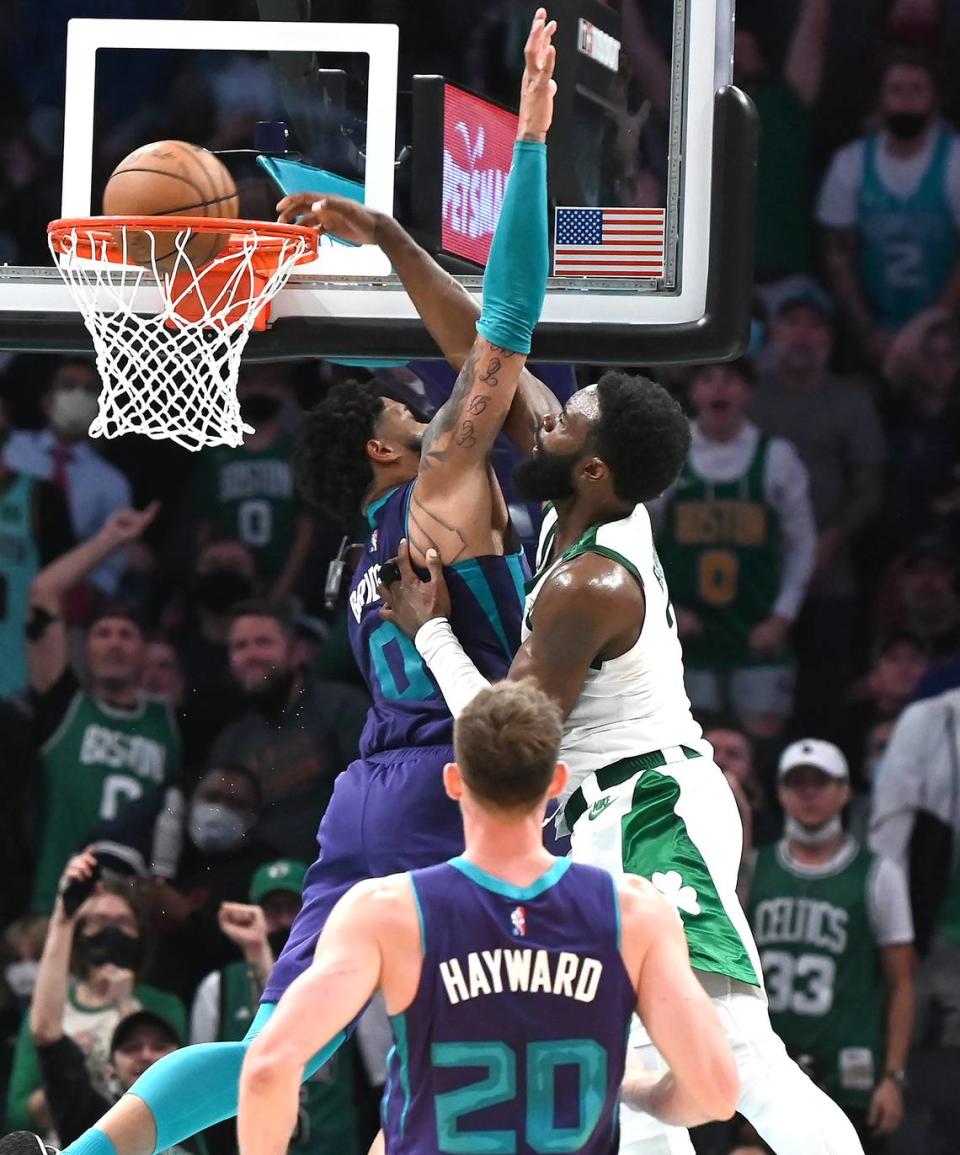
(635, 702)
(646, 798)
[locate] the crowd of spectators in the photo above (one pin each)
(180, 699)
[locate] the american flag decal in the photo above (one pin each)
(609, 242)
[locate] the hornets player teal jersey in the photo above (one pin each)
(486, 594)
(516, 1040)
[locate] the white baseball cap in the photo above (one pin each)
(814, 752)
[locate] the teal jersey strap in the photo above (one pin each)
(515, 281)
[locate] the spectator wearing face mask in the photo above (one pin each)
(228, 999)
(247, 492)
(833, 926)
(222, 850)
(86, 983)
(62, 453)
(890, 210)
(223, 575)
(20, 949)
(297, 732)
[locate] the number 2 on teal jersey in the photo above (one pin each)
(500, 1086)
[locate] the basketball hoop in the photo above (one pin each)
(172, 372)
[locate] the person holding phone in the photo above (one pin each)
(86, 983)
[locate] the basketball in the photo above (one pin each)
(171, 178)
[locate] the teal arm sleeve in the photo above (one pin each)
(515, 281)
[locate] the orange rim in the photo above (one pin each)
(97, 236)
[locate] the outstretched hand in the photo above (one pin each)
(125, 525)
(409, 602)
(538, 88)
(327, 213)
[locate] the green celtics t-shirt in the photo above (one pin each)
(821, 966)
(96, 759)
(249, 494)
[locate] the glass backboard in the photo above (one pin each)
(651, 163)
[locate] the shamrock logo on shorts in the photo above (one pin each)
(671, 886)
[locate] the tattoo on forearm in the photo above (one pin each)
(449, 417)
(489, 374)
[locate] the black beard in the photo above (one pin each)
(270, 698)
(545, 476)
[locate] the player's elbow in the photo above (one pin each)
(721, 1086)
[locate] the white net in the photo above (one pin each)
(171, 372)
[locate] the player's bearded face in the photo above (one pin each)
(546, 476)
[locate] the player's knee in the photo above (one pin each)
(263, 1062)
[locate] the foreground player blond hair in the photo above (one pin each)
(505, 960)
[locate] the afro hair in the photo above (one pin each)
(642, 434)
(330, 462)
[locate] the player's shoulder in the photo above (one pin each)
(382, 900)
(597, 572)
(642, 907)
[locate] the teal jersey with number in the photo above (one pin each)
(249, 495)
(821, 967)
(722, 552)
(97, 760)
(515, 1041)
(907, 245)
(19, 564)
(486, 595)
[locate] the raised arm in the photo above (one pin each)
(803, 69)
(456, 504)
(53, 976)
(448, 310)
(46, 633)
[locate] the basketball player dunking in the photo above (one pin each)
(432, 484)
(499, 969)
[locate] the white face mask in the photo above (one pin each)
(214, 827)
(21, 977)
(72, 411)
(815, 836)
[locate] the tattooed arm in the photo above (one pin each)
(454, 508)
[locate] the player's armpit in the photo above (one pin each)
(589, 609)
